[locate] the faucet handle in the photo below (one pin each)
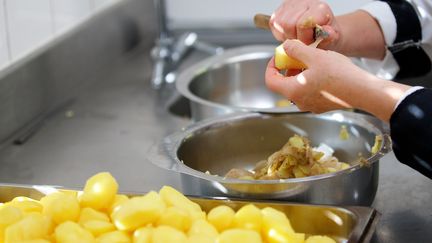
(182, 45)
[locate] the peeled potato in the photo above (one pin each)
(97, 227)
(277, 228)
(203, 227)
(176, 217)
(114, 236)
(143, 235)
(239, 235)
(200, 239)
(284, 62)
(26, 204)
(221, 217)
(167, 234)
(32, 226)
(71, 232)
(99, 191)
(90, 214)
(164, 217)
(61, 207)
(118, 199)
(138, 212)
(172, 197)
(248, 217)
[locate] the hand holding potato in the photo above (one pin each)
(331, 81)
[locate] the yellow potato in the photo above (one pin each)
(176, 217)
(118, 199)
(203, 227)
(143, 235)
(200, 239)
(277, 228)
(197, 215)
(61, 207)
(35, 241)
(221, 217)
(114, 237)
(70, 232)
(319, 239)
(9, 215)
(32, 226)
(26, 204)
(239, 235)
(97, 227)
(248, 217)
(138, 211)
(285, 62)
(172, 197)
(90, 214)
(99, 191)
(167, 234)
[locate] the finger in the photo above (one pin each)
(318, 14)
(275, 81)
(300, 51)
(330, 39)
(276, 29)
(283, 22)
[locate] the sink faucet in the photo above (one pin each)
(169, 51)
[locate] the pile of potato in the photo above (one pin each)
(99, 214)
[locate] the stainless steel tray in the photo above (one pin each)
(344, 224)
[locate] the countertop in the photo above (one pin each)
(111, 125)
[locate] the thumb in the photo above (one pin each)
(299, 51)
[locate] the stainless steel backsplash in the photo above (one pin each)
(48, 78)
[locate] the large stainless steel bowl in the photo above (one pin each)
(240, 140)
(230, 82)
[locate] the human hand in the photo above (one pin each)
(297, 19)
(331, 81)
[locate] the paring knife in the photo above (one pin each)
(262, 21)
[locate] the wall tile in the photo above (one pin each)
(103, 3)
(4, 50)
(228, 13)
(67, 13)
(30, 23)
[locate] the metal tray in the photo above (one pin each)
(344, 224)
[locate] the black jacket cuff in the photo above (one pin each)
(406, 49)
(411, 131)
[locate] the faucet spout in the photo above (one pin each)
(168, 52)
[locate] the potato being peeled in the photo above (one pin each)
(284, 62)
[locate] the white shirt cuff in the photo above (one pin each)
(382, 12)
(388, 67)
(408, 92)
(385, 69)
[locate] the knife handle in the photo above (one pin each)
(262, 21)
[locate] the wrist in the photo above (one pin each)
(360, 24)
(379, 96)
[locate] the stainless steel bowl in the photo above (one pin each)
(232, 81)
(240, 140)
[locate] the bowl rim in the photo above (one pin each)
(232, 55)
(168, 147)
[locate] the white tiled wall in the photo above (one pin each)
(4, 48)
(27, 24)
(69, 12)
(190, 13)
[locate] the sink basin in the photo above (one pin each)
(228, 83)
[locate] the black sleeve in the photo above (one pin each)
(411, 131)
(407, 44)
